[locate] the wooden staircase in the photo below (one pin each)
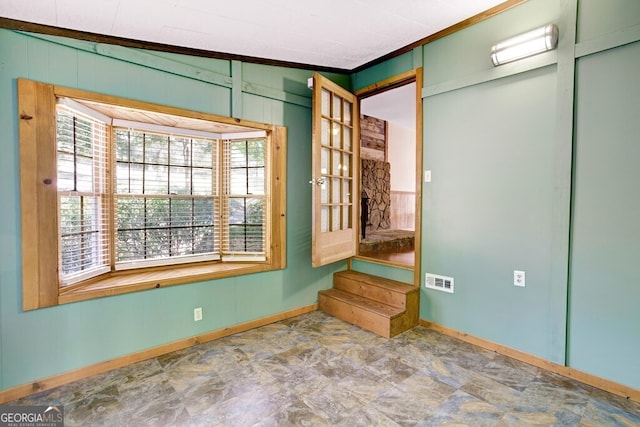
(383, 306)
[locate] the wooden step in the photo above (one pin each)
(386, 291)
(383, 306)
(359, 311)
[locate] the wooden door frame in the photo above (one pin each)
(413, 76)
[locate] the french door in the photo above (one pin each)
(335, 172)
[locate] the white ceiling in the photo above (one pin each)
(397, 106)
(340, 34)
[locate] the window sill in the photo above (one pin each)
(123, 283)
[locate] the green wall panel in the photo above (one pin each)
(258, 108)
(599, 18)
(467, 52)
(283, 79)
(14, 61)
(487, 210)
(604, 322)
(384, 70)
(219, 66)
(257, 295)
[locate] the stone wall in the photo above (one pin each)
(376, 186)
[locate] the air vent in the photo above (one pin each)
(441, 283)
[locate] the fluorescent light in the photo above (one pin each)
(527, 44)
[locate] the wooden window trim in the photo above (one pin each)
(39, 216)
(152, 278)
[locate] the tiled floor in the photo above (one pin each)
(315, 370)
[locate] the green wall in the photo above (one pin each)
(488, 209)
(520, 183)
(499, 144)
(604, 322)
(490, 141)
(41, 343)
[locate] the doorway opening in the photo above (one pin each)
(390, 189)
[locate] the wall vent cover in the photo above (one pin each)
(440, 283)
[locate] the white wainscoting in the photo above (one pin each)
(403, 207)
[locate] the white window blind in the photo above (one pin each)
(166, 199)
(132, 198)
(245, 202)
(83, 202)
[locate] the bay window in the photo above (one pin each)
(141, 196)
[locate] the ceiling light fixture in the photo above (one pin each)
(523, 45)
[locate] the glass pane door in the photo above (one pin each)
(335, 161)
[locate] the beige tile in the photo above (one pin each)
(320, 371)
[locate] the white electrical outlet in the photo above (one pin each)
(518, 278)
(197, 314)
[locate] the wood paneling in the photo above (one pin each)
(278, 223)
(373, 135)
(38, 176)
(162, 114)
(403, 210)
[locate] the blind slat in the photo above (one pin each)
(82, 195)
(166, 206)
(171, 200)
(244, 203)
